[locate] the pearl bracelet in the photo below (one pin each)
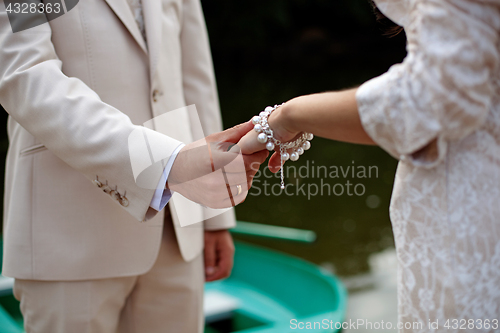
(266, 136)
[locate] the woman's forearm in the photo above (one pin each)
(331, 115)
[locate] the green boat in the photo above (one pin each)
(268, 292)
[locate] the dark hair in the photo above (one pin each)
(391, 29)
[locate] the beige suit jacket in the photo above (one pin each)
(75, 89)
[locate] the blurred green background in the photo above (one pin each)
(266, 52)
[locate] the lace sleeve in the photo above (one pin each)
(442, 91)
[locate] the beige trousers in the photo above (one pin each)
(167, 299)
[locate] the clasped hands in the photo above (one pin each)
(218, 170)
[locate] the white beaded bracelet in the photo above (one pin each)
(266, 135)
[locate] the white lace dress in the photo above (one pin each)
(439, 113)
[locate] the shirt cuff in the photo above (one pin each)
(162, 195)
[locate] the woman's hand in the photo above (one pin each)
(283, 130)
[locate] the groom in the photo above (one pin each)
(90, 249)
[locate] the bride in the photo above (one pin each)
(438, 113)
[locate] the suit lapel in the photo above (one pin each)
(120, 7)
(152, 10)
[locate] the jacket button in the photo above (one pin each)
(115, 195)
(155, 95)
(106, 189)
(123, 201)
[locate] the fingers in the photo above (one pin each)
(250, 162)
(258, 157)
(201, 158)
(234, 179)
(222, 193)
(223, 269)
(239, 172)
(197, 160)
(224, 153)
(241, 178)
(233, 134)
(244, 180)
(218, 189)
(250, 176)
(237, 198)
(212, 153)
(249, 143)
(223, 145)
(216, 173)
(210, 256)
(224, 252)
(274, 163)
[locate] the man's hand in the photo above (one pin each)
(213, 171)
(219, 255)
